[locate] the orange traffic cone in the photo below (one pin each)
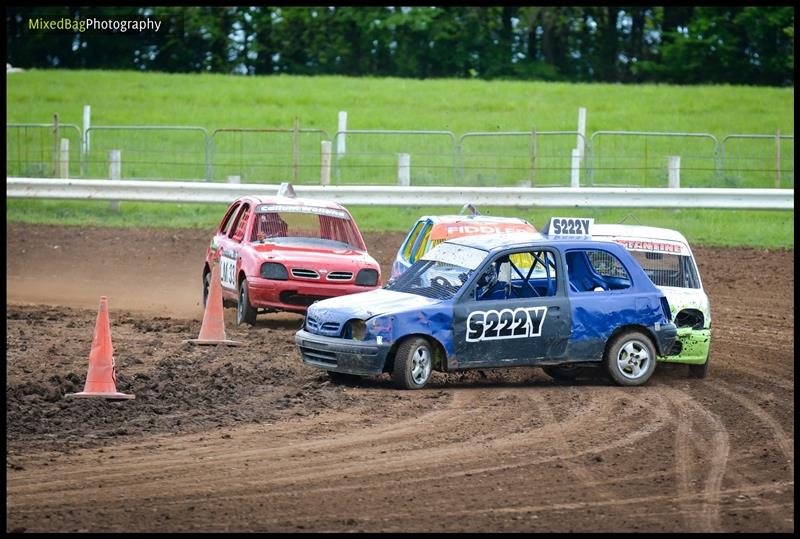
(101, 379)
(213, 329)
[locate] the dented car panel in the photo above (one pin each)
(681, 283)
(528, 316)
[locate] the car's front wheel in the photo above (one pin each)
(630, 358)
(245, 313)
(206, 287)
(413, 363)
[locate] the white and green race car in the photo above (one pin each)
(666, 258)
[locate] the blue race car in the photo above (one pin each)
(498, 301)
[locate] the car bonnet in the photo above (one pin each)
(365, 305)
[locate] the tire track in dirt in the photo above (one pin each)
(783, 441)
(282, 461)
(688, 435)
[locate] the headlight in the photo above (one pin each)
(367, 277)
(358, 330)
(274, 271)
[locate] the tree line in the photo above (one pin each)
(669, 44)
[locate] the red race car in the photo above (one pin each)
(283, 253)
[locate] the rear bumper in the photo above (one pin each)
(665, 337)
(342, 355)
(295, 295)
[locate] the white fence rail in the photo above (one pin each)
(196, 191)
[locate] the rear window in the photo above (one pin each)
(666, 269)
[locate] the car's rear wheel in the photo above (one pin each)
(413, 363)
(245, 313)
(700, 371)
(630, 358)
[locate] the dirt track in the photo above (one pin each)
(250, 439)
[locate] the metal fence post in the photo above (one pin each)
(576, 168)
(404, 169)
(55, 145)
(325, 172)
(64, 159)
(114, 173)
(87, 123)
(778, 159)
(296, 150)
(674, 174)
(533, 157)
(340, 133)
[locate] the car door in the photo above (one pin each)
(230, 244)
(522, 320)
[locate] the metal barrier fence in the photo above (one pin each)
(382, 157)
(640, 158)
(36, 150)
(766, 161)
(148, 152)
(518, 159)
(394, 195)
(261, 156)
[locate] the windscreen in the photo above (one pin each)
(306, 229)
(441, 273)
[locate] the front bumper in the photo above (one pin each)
(296, 295)
(693, 344)
(342, 355)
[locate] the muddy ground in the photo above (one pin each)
(250, 439)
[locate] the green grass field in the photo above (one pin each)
(459, 106)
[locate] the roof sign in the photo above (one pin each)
(655, 246)
(295, 208)
(568, 226)
(467, 227)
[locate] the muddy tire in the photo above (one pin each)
(700, 371)
(245, 313)
(630, 359)
(412, 363)
(563, 372)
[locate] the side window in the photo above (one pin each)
(241, 223)
(421, 243)
(411, 239)
(227, 221)
(596, 270)
(527, 274)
